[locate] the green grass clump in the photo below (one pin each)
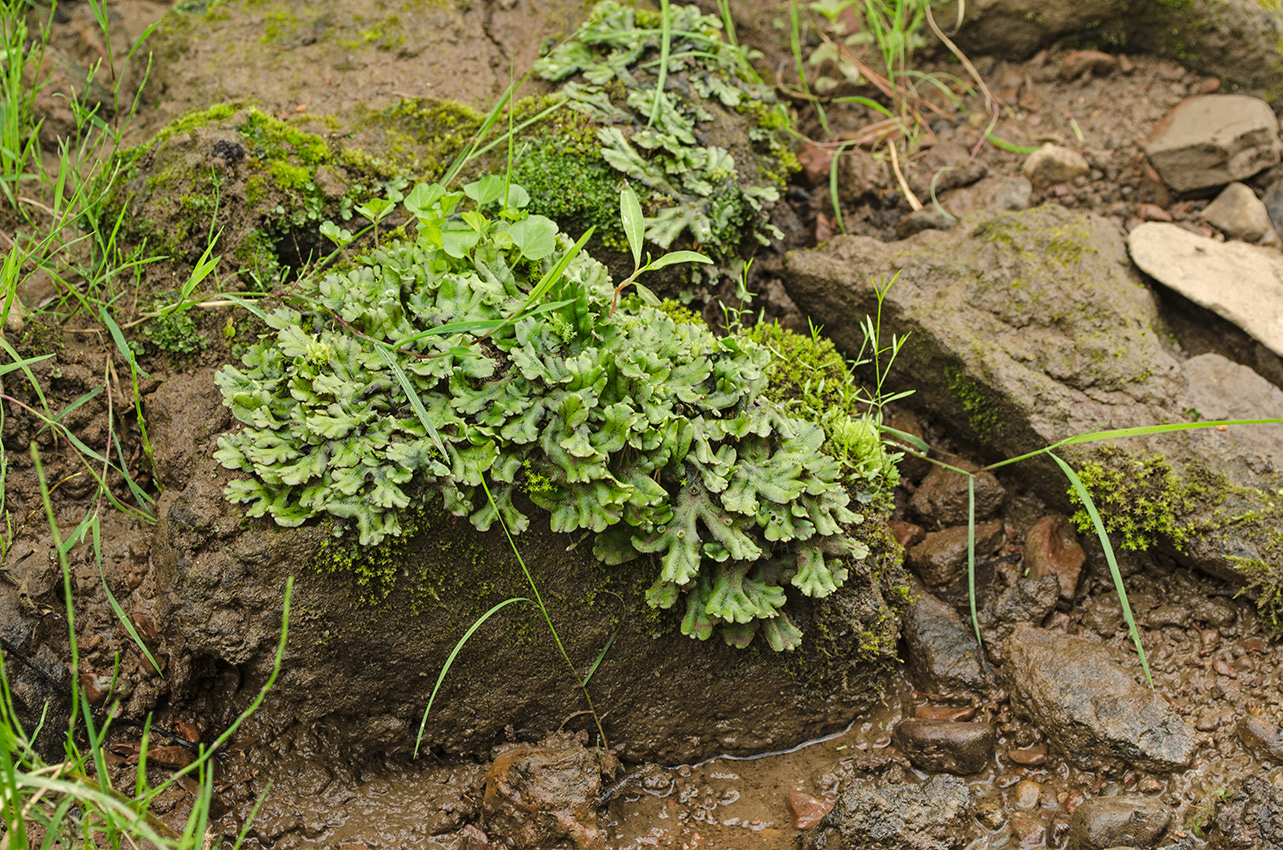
(373, 396)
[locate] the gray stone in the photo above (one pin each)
(942, 496)
(1234, 39)
(935, 815)
(1239, 214)
(1127, 820)
(1052, 164)
(945, 746)
(927, 218)
(1029, 600)
(943, 654)
(942, 557)
(1251, 816)
(1091, 709)
(860, 174)
(945, 177)
(1214, 139)
(1242, 284)
(1273, 201)
(1262, 736)
(1029, 328)
(992, 194)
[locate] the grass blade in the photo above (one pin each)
(115, 606)
(480, 621)
(971, 554)
(1097, 436)
(665, 46)
(416, 403)
(1109, 557)
(601, 655)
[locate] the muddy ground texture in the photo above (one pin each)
(1205, 772)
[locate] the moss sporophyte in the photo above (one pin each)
(373, 395)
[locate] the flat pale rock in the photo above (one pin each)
(1241, 283)
(1214, 139)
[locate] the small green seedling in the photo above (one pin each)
(630, 212)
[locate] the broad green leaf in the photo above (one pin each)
(535, 236)
(630, 214)
(485, 191)
(677, 257)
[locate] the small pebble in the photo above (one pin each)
(1029, 756)
(1028, 829)
(1025, 796)
(945, 712)
(1223, 667)
(1153, 212)
(1149, 785)
(990, 815)
(1207, 721)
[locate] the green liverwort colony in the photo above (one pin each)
(654, 434)
(665, 130)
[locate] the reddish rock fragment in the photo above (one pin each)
(906, 533)
(1052, 548)
(1029, 756)
(808, 810)
(1086, 63)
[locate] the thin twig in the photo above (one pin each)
(990, 101)
(904, 184)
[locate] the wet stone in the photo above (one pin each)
(1028, 829)
(807, 809)
(990, 814)
(1103, 615)
(1130, 820)
(906, 533)
(943, 655)
(1026, 795)
(1029, 756)
(541, 795)
(942, 496)
(944, 712)
(1251, 817)
(1052, 548)
(1091, 709)
(934, 815)
(942, 557)
(943, 746)
(1261, 736)
(1029, 600)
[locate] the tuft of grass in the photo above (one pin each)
(918, 448)
(73, 803)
